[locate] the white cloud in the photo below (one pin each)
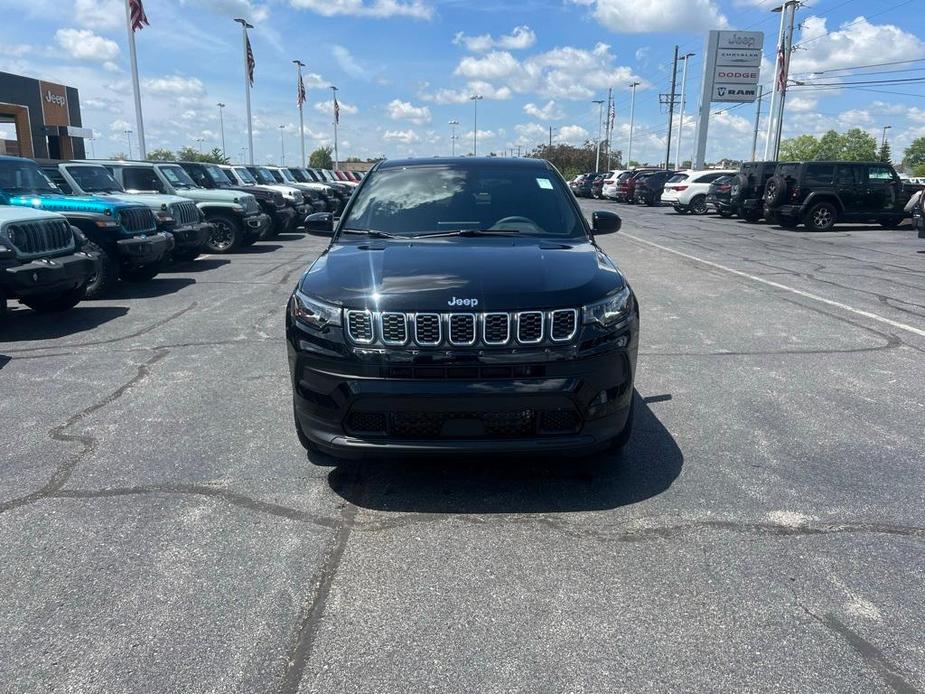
(327, 108)
(405, 110)
(405, 137)
(857, 42)
(801, 104)
(495, 65)
(530, 134)
(632, 17)
(100, 14)
(521, 37)
(176, 86)
(83, 44)
(572, 134)
(349, 64)
(233, 8)
(15, 50)
(549, 111)
(416, 9)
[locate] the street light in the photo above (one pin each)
(475, 99)
(686, 58)
(629, 149)
(199, 141)
(221, 125)
(282, 146)
(600, 125)
(128, 136)
(883, 138)
(453, 124)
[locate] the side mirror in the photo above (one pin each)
(605, 222)
(320, 223)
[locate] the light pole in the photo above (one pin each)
(282, 146)
(686, 58)
(776, 112)
(629, 148)
(300, 99)
(221, 124)
(600, 126)
(336, 120)
(453, 124)
(128, 137)
(883, 137)
(475, 99)
(247, 88)
(199, 141)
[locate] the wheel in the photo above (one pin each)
(186, 255)
(107, 271)
(226, 234)
(821, 216)
(699, 205)
(56, 303)
(650, 202)
(144, 273)
(775, 190)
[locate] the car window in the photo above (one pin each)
(846, 175)
(422, 199)
(245, 175)
(708, 178)
(263, 175)
(177, 176)
(879, 173)
(141, 178)
(22, 175)
(58, 180)
(94, 179)
(788, 170)
(677, 178)
(216, 174)
(198, 175)
(819, 174)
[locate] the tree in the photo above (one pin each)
(569, 160)
(885, 155)
(160, 155)
(119, 156)
(914, 156)
(800, 148)
(321, 158)
(854, 145)
(858, 145)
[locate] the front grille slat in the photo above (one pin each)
(138, 219)
(530, 327)
(563, 325)
(462, 329)
(360, 326)
(184, 213)
(496, 328)
(41, 237)
(394, 328)
(427, 329)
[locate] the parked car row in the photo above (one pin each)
(816, 194)
(71, 230)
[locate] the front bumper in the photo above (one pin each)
(530, 402)
(45, 276)
(283, 218)
(719, 203)
(144, 250)
(191, 236)
(255, 224)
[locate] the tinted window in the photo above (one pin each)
(819, 174)
(24, 176)
(879, 173)
(846, 175)
(138, 178)
(198, 175)
(788, 170)
(422, 199)
(216, 174)
(263, 175)
(94, 179)
(245, 175)
(709, 178)
(58, 180)
(677, 178)
(177, 176)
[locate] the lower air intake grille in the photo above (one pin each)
(360, 326)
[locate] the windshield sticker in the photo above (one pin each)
(544, 183)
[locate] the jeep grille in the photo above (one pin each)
(185, 212)
(41, 237)
(138, 219)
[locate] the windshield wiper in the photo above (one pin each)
(374, 233)
(469, 232)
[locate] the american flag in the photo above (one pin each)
(300, 96)
(781, 70)
(336, 111)
(137, 13)
(612, 116)
(250, 60)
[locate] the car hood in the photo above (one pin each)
(499, 273)
(212, 194)
(152, 200)
(73, 203)
(24, 214)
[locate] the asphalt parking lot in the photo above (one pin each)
(162, 530)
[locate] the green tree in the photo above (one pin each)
(885, 155)
(160, 154)
(914, 156)
(569, 160)
(858, 145)
(830, 146)
(321, 158)
(119, 156)
(800, 148)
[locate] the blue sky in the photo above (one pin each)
(405, 68)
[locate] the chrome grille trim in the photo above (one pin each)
(392, 324)
(35, 238)
(529, 317)
(357, 320)
(563, 313)
(485, 328)
(184, 212)
(471, 329)
(417, 329)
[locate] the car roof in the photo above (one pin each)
(468, 162)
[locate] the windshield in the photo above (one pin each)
(216, 174)
(264, 176)
(177, 177)
(245, 175)
(677, 178)
(286, 175)
(300, 175)
(94, 179)
(24, 177)
(313, 175)
(328, 176)
(427, 199)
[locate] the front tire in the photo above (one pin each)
(226, 234)
(56, 303)
(107, 271)
(822, 216)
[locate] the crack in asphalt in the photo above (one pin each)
(88, 443)
(867, 651)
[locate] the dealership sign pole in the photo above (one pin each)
(730, 74)
(136, 19)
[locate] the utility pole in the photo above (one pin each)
(792, 5)
(247, 89)
(475, 99)
(453, 123)
(300, 100)
(221, 124)
(782, 62)
(133, 61)
(600, 126)
(550, 137)
(629, 149)
(686, 58)
(609, 129)
(674, 83)
(757, 118)
(199, 141)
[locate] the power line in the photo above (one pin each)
(861, 67)
(856, 21)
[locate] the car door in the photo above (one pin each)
(881, 188)
(851, 188)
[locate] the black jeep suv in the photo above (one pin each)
(462, 305)
(821, 193)
(747, 194)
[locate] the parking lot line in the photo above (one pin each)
(778, 285)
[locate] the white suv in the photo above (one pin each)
(609, 190)
(686, 191)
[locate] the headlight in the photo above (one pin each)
(611, 310)
(312, 312)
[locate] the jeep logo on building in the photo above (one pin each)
(471, 303)
(54, 98)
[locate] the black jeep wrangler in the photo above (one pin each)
(747, 194)
(821, 193)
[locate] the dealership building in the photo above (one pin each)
(40, 119)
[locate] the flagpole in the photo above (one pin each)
(336, 118)
(778, 69)
(135, 86)
(247, 92)
(298, 66)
